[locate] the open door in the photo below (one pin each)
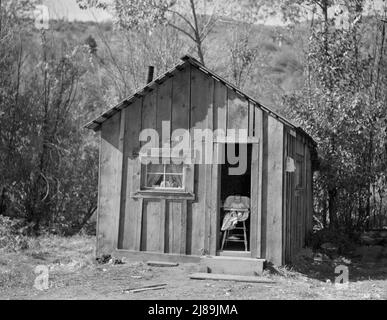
(235, 184)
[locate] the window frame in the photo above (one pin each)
(184, 193)
(145, 176)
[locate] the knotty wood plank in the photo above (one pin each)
(288, 201)
(139, 224)
(149, 112)
(150, 236)
(132, 212)
(274, 192)
(164, 105)
(285, 195)
(292, 200)
(146, 256)
(208, 209)
(265, 178)
(155, 287)
(174, 220)
(175, 215)
(210, 212)
(183, 232)
(122, 179)
(162, 264)
(220, 106)
(258, 131)
(109, 185)
(254, 200)
(201, 98)
(309, 177)
(181, 99)
(163, 209)
(215, 202)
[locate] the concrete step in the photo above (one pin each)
(232, 265)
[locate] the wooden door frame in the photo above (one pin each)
(255, 213)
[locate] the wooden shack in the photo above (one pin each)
(183, 223)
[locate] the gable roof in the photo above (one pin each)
(187, 59)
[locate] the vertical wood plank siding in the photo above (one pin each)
(298, 211)
(109, 185)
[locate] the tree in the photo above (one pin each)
(242, 55)
(193, 18)
(47, 171)
(343, 105)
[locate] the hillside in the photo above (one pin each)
(276, 70)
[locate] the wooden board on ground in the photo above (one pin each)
(146, 288)
(162, 264)
(228, 277)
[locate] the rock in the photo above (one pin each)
(115, 261)
(320, 257)
(105, 258)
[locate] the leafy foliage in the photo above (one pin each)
(12, 235)
(343, 105)
(48, 173)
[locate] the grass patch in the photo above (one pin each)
(59, 254)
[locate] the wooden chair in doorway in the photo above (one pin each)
(237, 211)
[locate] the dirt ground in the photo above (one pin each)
(74, 274)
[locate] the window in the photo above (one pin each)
(167, 174)
(164, 176)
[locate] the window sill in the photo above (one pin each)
(163, 194)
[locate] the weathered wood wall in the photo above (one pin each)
(298, 211)
(109, 186)
(272, 189)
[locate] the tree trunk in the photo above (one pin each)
(332, 207)
(200, 51)
(198, 39)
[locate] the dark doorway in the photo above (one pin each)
(235, 184)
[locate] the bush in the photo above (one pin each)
(12, 236)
